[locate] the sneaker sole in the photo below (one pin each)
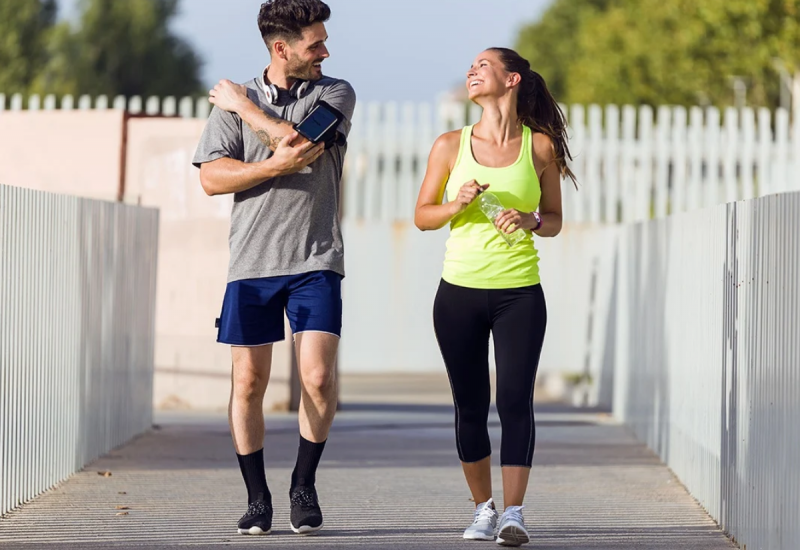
(254, 531)
(512, 536)
(306, 529)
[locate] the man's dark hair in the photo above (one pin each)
(286, 19)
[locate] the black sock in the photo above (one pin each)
(308, 455)
(255, 479)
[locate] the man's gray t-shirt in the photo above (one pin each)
(289, 224)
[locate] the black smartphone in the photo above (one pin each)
(320, 124)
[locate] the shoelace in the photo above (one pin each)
(256, 508)
(485, 512)
(304, 498)
(515, 513)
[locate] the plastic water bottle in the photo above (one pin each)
(491, 207)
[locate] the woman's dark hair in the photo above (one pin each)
(286, 19)
(537, 108)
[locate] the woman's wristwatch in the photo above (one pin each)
(538, 219)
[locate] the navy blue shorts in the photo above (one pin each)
(252, 311)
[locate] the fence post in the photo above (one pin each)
(186, 107)
(627, 163)
(644, 174)
(152, 106)
(730, 155)
(764, 173)
(578, 142)
(387, 144)
(679, 139)
(135, 105)
(780, 161)
(119, 103)
(594, 158)
(663, 130)
(748, 144)
(712, 157)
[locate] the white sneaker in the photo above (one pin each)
(483, 525)
(512, 530)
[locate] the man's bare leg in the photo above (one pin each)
(316, 362)
(249, 379)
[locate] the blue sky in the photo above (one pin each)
(389, 50)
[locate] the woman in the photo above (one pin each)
(518, 151)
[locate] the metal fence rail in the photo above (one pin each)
(77, 292)
(708, 358)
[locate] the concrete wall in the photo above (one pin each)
(71, 152)
(80, 153)
(393, 271)
(192, 370)
(392, 268)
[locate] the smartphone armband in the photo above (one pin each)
(320, 125)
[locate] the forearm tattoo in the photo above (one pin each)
(264, 136)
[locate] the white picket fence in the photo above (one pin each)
(185, 107)
(632, 163)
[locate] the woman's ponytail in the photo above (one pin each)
(538, 109)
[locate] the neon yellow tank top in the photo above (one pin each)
(477, 256)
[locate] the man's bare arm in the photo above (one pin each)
(233, 98)
(226, 175)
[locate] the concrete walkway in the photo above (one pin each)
(389, 479)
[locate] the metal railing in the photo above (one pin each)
(77, 293)
(708, 358)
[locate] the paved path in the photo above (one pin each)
(389, 479)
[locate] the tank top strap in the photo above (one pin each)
(465, 148)
(527, 146)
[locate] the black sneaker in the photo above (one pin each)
(257, 520)
(306, 515)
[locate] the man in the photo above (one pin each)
(285, 242)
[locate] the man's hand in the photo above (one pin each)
(293, 154)
(229, 96)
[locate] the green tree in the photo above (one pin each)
(672, 51)
(24, 26)
(550, 44)
(121, 47)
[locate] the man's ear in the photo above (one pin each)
(279, 49)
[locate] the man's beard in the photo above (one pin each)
(302, 70)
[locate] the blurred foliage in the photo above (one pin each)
(117, 47)
(683, 52)
(24, 27)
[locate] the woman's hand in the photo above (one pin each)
(467, 194)
(228, 96)
(512, 219)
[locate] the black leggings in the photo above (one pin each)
(516, 317)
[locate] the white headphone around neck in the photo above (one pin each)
(272, 92)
